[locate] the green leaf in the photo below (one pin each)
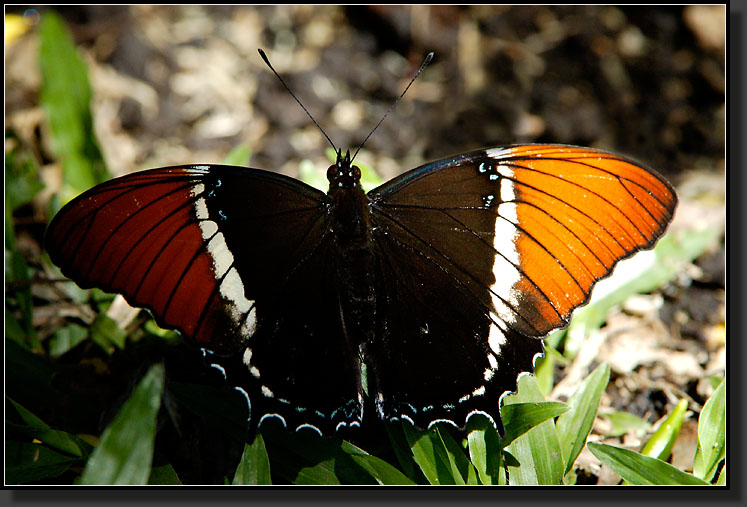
(107, 333)
(711, 434)
(254, 467)
(309, 174)
(38, 429)
(125, 452)
(538, 450)
(402, 450)
(485, 450)
(21, 180)
(660, 444)
(163, 475)
(26, 462)
(239, 156)
(521, 417)
(322, 474)
(65, 97)
(543, 371)
(31, 376)
(460, 464)
(575, 425)
(641, 470)
(16, 270)
(625, 422)
(66, 338)
(13, 329)
(303, 457)
(721, 481)
(437, 462)
(383, 472)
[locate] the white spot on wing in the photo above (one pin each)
(198, 189)
(507, 259)
(496, 340)
(201, 211)
(208, 228)
(497, 153)
(232, 289)
(250, 323)
(492, 360)
(222, 256)
(507, 190)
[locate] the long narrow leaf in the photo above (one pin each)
(402, 450)
(575, 425)
(383, 472)
(38, 429)
(66, 96)
(254, 467)
(711, 434)
(125, 453)
(26, 462)
(460, 465)
(538, 451)
(660, 444)
(641, 470)
(485, 450)
(431, 456)
(521, 417)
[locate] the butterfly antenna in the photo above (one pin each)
(267, 61)
(427, 60)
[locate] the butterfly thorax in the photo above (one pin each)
(351, 217)
(353, 249)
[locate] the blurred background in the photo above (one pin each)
(176, 85)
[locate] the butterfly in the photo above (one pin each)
(421, 300)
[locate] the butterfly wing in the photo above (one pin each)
(494, 249)
(234, 259)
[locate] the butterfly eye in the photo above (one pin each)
(331, 172)
(356, 173)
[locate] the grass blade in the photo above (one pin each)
(125, 453)
(641, 470)
(538, 450)
(711, 434)
(254, 467)
(431, 455)
(485, 450)
(383, 472)
(660, 444)
(66, 97)
(575, 425)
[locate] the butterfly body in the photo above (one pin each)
(428, 295)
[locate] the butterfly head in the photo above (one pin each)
(343, 174)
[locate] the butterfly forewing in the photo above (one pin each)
(232, 257)
(496, 248)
